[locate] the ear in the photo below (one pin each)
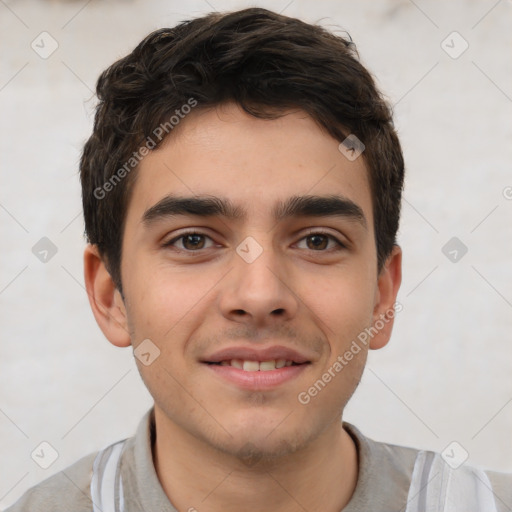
(388, 283)
(106, 302)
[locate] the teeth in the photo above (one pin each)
(254, 366)
(267, 365)
(251, 366)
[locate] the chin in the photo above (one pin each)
(254, 450)
(263, 441)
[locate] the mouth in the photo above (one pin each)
(251, 375)
(248, 365)
(257, 370)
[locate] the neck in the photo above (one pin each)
(196, 476)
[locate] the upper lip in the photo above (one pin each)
(253, 354)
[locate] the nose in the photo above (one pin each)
(259, 289)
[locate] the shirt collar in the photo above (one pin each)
(143, 488)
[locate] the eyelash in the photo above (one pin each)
(340, 245)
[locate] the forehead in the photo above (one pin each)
(257, 164)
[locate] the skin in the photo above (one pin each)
(219, 447)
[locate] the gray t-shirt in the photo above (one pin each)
(383, 482)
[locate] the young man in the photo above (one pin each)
(241, 193)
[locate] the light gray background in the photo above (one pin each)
(446, 374)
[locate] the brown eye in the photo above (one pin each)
(319, 242)
(191, 241)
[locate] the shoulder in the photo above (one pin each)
(67, 490)
(394, 469)
(384, 458)
(502, 489)
(384, 473)
(481, 481)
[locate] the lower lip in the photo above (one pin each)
(259, 380)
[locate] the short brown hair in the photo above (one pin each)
(267, 63)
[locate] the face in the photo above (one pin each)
(284, 273)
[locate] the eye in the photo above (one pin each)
(189, 241)
(319, 240)
(193, 241)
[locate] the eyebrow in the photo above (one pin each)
(295, 206)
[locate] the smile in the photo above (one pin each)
(255, 366)
(257, 375)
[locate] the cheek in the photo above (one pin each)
(345, 305)
(165, 300)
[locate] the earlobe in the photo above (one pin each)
(384, 312)
(106, 302)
